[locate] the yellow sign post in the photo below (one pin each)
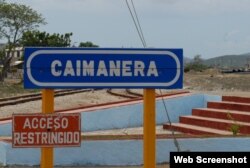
(47, 153)
(149, 135)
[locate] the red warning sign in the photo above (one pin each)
(46, 130)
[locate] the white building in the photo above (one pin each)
(16, 68)
(16, 53)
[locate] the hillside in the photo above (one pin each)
(229, 61)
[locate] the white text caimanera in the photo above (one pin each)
(101, 68)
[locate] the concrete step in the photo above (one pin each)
(229, 106)
(236, 99)
(221, 124)
(222, 114)
(196, 130)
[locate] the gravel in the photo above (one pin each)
(63, 102)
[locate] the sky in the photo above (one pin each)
(207, 27)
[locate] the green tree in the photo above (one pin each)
(2, 53)
(196, 64)
(87, 44)
(43, 39)
(198, 59)
(15, 19)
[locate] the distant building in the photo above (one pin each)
(16, 53)
(16, 65)
(2, 45)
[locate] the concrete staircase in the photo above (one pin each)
(217, 118)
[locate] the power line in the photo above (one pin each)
(138, 21)
(176, 143)
(136, 26)
(140, 33)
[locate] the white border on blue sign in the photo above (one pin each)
(84, 84)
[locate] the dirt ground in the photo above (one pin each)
(212, 81)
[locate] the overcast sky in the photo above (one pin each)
(207, 27)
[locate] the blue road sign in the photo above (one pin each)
(103, 68)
